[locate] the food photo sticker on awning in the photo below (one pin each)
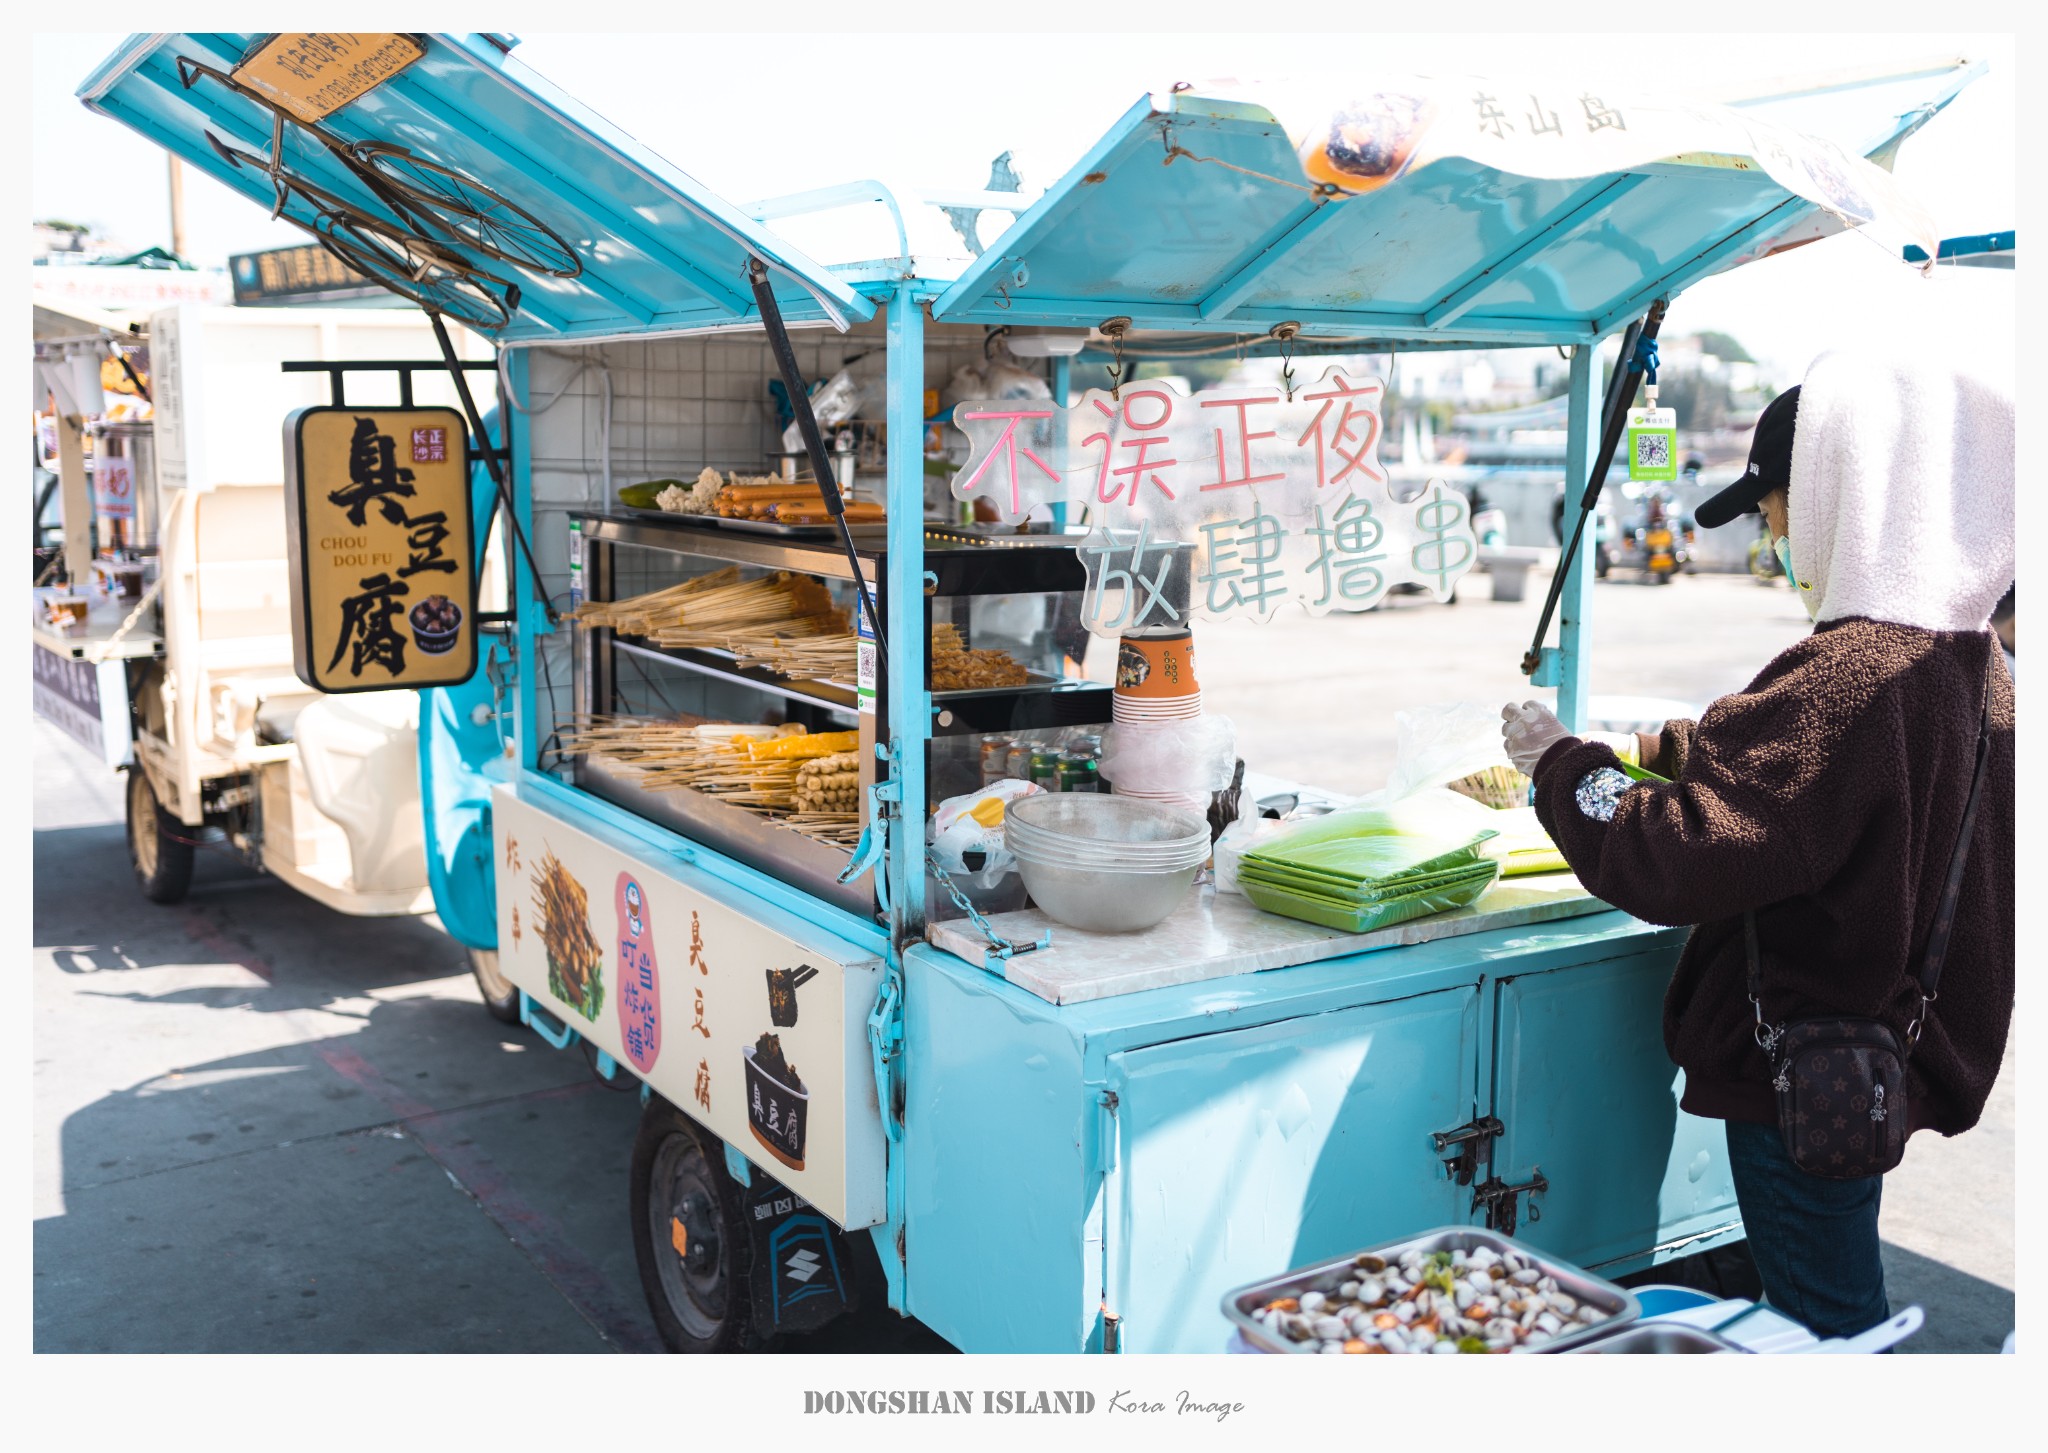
(1355, 138)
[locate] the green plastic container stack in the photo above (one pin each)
(1368, 868)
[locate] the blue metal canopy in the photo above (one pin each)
(1195, 213)
(660, 252)
(1985, 249)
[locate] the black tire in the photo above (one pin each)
(500, 995)
(701, 1297)
(158, 849)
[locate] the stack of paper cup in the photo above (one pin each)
(1156, 685)
(1155, 679)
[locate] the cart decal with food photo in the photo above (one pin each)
(778, 1105)
(562, 918)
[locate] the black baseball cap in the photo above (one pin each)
(1770, 464)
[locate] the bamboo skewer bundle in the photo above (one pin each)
(637, 614)
(760, 769)
(841, 829)
(713, 606)
(817, 657)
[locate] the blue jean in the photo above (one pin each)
(1814, 1239)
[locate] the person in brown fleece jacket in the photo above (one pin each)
(1827, 796)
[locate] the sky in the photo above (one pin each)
(1047, 96)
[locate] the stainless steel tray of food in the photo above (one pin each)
(1420, 1294)
(1660, 1337)
(876, 533)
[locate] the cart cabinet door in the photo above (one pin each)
(1241, 1155)
(1587, 1096)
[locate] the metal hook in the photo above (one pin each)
(1114, 329)
(1286, 333)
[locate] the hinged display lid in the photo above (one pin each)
(647, 248)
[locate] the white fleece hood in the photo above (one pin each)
(1901, 503)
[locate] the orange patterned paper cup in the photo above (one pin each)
(1157, 668)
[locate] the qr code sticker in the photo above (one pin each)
(1653, 451)
(865, 656)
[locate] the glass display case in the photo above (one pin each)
(691, 622)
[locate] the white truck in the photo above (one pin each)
(227, 743)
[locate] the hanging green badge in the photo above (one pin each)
(1653, 444)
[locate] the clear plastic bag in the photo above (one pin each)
(831, 405)
(972, 823)
(1196, 757)
(1437, 745)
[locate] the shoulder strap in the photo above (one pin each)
(1951, 891)
(1765, 1037)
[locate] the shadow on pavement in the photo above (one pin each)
(1964, 1313)
(280, 1128)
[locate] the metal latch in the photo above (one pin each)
(1471, 1141)
(1499, 1199)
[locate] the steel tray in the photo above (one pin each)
(757, 527)
(1660, 1337)
(1325, 1276)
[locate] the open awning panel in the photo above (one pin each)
(1196, 212)
(659, 252)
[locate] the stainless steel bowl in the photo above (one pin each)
(1106, 862)
(1105, 817)
(1080, 853)
(1105, 899)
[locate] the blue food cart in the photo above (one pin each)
(856, 1085)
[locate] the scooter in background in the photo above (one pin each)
(1663, 542)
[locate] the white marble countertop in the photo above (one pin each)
(1214, 935)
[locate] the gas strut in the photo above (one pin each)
(814, 442)
(1621, 390)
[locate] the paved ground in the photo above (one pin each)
(260, 1125)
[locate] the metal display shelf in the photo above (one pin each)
(966, 560)
(759, 842)
(710, 661)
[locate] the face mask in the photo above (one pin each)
(1783, 546)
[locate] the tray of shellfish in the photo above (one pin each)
(1459, 1289)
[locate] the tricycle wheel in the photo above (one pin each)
(689, 1235)
(158, 849)
(501, 995)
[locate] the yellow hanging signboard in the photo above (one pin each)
(383, 581)
(313, 74)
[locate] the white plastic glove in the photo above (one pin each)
(1530, 730)
(1625, 745)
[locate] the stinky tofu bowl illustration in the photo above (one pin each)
(778, 1105)
(435, 622)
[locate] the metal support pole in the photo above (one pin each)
(1575, 600)
(909, 698)
(75, 507)
(1062, 386)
